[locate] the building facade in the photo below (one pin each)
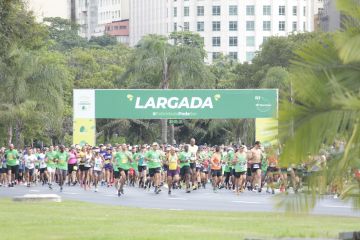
(93, 15)
(119, 29)
(234, 27)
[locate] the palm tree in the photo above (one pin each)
(158, 64)
(32, 87)
(326, 108)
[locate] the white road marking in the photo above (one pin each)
(108, 195)
(34, 190)
(335, 206)
(246, 202)
(175, 209)
(171, 198)
(71, 193)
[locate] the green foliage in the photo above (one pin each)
(18, 28)
(64, 34)
(103, 41)
(326, 108)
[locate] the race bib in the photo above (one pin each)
(256, 166)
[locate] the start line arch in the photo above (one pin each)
(92, 104)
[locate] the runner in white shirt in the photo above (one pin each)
(43, 171)
(30, 160)
(194, 171)
(98, 163)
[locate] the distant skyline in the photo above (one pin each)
(49, 8)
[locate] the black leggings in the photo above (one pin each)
(14, 170)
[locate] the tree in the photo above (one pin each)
(326, 109)
(32, 88)
(103, 41)
(277, 77)
(18, 28)
(64, 34)
(158, 64)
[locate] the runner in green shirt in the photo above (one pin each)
(61, 159)
(154, 164)
(51, 166)
(228, 167)
(240, 162)
(185, 157)
(12, 163)
(123, 159)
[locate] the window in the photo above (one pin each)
(233, 55)
(266, 25)
(265, 39)
(250, 41)
(233, 26)
(175, 12)
(294, 26)
(216, 10)
(281, 10)
(282, 26)
(216, 42)
(304, 26)
(250, 25)
(233, 41)
(175, 26)
(215, 55)
(267, 10)
(233, 11)
(249, 56)
(186, 26)
(200, 10)
(294, 10)
(250, 10)
(216, 26)
(186, 11)
(304, 10)
(200, 26)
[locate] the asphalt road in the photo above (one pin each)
(203, 199)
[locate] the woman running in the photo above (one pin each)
(240, 162)
(172, 173)
(72, 164)
(87, 167)
(98, 161)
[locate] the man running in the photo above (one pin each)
(140, 158)
(11, 157)
(216, 174)
(124, 159)
(61, 158)
(154, 164)
(51, 166)
(255, 161)
(195, 173)
(185, 158)
(30, 160)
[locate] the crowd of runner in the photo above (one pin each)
(187, 167)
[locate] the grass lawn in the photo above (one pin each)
(78, 220)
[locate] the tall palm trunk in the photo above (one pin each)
(164, 85)
(10, 134)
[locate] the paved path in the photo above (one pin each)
(203, 199)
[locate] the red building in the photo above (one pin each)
(119, 29)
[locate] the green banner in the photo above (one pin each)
(186, 104)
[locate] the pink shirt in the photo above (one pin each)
(72, 158)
